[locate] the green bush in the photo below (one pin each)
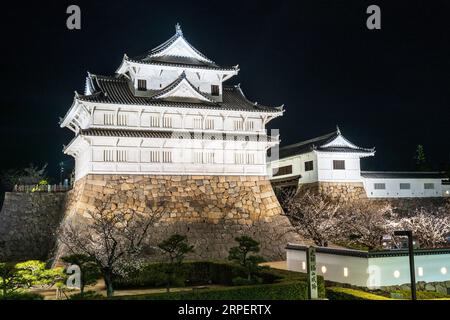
(21, 296)
(278, 291)
(88, 295)
(337, 293)
(191, 273)
(277, 284)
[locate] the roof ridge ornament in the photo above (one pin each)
(178, 30)
(338, 131)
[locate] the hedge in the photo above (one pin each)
(337, 293)
(22, 296)
(278, 284)
(278, 291)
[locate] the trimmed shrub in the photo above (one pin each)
(278, 291)
(191, 273)
(337, 293)
(22, 296)
(277, 284)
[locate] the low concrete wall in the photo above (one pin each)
(382, 269)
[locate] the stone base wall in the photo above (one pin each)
(210, 210)
(337, 191)
(27, 225)
(439, 287)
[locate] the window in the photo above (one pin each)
(405, 186)
(379, 186)
(108, 155)
(281, 171)
(249, 125)
(209, 124)
(215, 90)
(154, 121)
(238, 125)
(122, 120)
(154, 156)
(208, 157)
(428, 186)
(167, 122)
(142, 85)
(338, 164)
(167, 156)
(108, 119)
(250, 158)
(239, 158)
(198, 157)
(309, 165)
(121, 155)
(198, 123)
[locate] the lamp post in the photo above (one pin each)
(412, 269)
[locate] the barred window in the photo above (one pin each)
(281, 171)
(239, 158)
(122, 120)
(154, 121)
(209, 124)
(309, 165)
(208, 157)
(198, 123)
(167, 156)
(167, 122)
(108, 119)
(249, 125)
(215, 90)
(379, 186)
(154, 156)
(108, 155)
(338, 164)
(238, 125)
(428, 186)
(198, 157)
(405, 186)
(142, 85)
(121, 155)
(250, 158)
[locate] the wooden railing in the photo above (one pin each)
(42, 188)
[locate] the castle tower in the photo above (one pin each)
(165, 126)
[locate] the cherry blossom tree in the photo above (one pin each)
(113, 238)
(314, 217)
(366, 222)
(430, 228)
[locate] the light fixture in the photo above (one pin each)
(324, 269)
(444, 270)
(345, 272)
(397, 274)
(303, 265)
(420, 271)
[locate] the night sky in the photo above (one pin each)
(387, 88)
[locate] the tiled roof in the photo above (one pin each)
(318, 144)
(118, 90)
(175, 83)
(127, 133)
(153, 57)
(370, 254)
(402, 175)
